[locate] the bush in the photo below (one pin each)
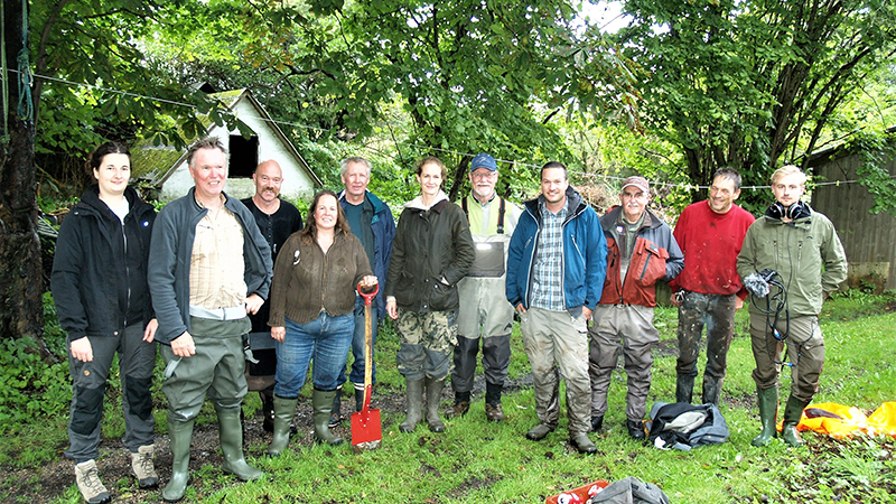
(30, 387)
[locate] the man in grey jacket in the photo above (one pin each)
(209, 268)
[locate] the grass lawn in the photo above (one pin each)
(476, 462)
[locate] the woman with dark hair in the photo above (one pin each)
(312, 303)
(432, 250)
(102, 298)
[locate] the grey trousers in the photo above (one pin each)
(632, 327)
(136, 360)
(554, 339)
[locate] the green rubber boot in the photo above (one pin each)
(284, 410)
(322, 402)
(792, 413)
(231, 432)
(415, 406)
(768, 412)
(433, 399)
(180, 434)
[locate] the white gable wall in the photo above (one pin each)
(297, 184)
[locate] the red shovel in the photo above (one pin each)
(367, 430)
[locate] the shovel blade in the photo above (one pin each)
(367, 430)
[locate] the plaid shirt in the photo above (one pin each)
(547, 281)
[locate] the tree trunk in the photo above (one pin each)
(460, 172)
(21, 285)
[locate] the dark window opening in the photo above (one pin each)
(243, 156)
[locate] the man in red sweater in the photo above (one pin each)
(709, 290)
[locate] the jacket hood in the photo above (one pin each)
(92, 204)
(417, 203)
(575, 204)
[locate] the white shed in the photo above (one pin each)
(165, 167)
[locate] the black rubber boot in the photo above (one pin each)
(415, 406)
(359, 398)
(322, 402)
(433, 398)
(267, 409)
(712, 390)
(768, 412)
(284, 411)
(684, 389)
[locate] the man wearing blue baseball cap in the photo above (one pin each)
(484, 312)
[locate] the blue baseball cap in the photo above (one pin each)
(483, 161)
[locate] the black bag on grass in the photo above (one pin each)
(684, 426)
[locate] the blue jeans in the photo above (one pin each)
(326, 340)
(357, 374)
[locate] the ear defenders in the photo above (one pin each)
(793, 212)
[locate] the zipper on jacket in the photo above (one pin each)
(646, 265)
(323, 291)
(775, 246)
(127, 275)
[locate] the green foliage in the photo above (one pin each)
(876, 152)
(93, 82)
(30, 388)
(747, 84)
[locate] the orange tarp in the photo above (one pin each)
(841, 421)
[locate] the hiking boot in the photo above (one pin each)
(88, 479)
(596, 423)
(494, 412)
(539, 432)
(142, 467)
(583, 444)
(460, 409)
(635, 429)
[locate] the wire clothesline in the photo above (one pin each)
(686, 187)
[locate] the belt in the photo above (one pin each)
(229, 313)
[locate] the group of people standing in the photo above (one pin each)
(233, 282)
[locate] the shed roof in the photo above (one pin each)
(156, 163)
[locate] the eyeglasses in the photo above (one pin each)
(484, 175)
